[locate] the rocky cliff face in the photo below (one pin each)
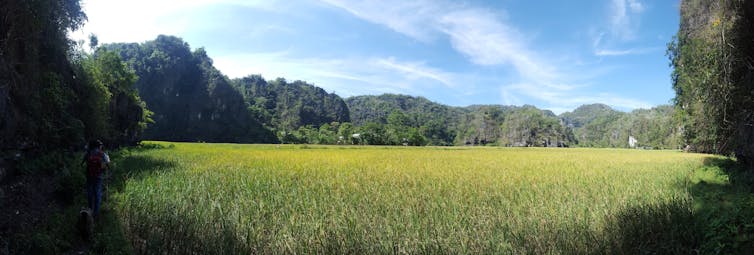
(191, 100)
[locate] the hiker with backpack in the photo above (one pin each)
(97, 161)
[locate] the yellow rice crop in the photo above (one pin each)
(227, 198)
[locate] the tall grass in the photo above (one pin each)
(226, 198)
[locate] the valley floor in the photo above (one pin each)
(240, 199)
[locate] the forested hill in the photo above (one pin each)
(54, 95)
(472, 125)
(587, 114)
(377, 108)
(193, 101)
(286, 106)
(713, 76)
(598, 125)
(437, 122)
(595, 125)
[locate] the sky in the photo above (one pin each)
(555, 55)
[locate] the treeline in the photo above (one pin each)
(114, 92)
(286, 106)
(190, 98)
(598, 125)
(595, 125)
(53, 94)
(713, 76)
(193, 101)
(389, 119)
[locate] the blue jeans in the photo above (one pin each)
(94, 193)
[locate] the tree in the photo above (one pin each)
(113, 110)
(38, 88)
(191, 99)
(712, 56)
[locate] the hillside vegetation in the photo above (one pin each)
(193, 101)
(197, 198)
(286, 106)
(713, 77)
(54, 95)
(595, 125)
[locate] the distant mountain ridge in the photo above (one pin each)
(193, 101)
(592, 125)
(586, 114)
(190, 98)
(287, 105)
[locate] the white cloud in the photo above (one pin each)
(635, 6)
(598, 39)
(412, 18)
(416, 70)
(481, 35)
(485, 39)
(624, 18)
(347, 76)
(141, 20)
(632, 51)
(560, 100)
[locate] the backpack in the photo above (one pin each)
(95, 163)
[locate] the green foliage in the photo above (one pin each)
(38, 88)
(287, 106)
(713, 76)
(60, 166)
(111, 107)
(529, 126)
(724, 204)
(588, 113)
(603, 131)
(600, 126)
(58, 232)
(59, 96)
(594, 125)
(190, 98)
(481, 124)
(435, 122)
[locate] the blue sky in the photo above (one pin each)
(555, 55)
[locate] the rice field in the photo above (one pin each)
(239, 199)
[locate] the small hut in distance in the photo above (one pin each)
(632, 142)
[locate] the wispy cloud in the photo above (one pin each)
(504, 54)
(623, 52)
(112, 21)
(624, 18)
(347, 76)
(486, 39)
(417, 70)
(560, 100)
(412, 18)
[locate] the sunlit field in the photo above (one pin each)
(227, 198)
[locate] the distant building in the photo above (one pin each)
(632, 142)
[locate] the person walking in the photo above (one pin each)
(97, 161)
